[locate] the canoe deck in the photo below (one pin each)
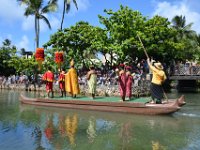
(111, 104)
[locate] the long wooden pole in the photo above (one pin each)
(143, 46)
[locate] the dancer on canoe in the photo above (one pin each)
(125, 82)
(61, 80)
(48, 77)
(158, 78)
(129, 82)
(92, 81)
(71, 81)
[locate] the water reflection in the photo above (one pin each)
(28, 127)
(65, 127)
(71, 123)
(61, 125)
(49, 127)
(71, 128)
(91, 130)
(126, 135)
(157, 146)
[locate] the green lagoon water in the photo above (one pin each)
(26, 127)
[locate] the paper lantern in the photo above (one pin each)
(59, 58)
(39, 56)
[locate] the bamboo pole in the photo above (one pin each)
(143, 47)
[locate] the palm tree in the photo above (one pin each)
(35, 7)
(184, 31)
(185, 35)
(7, 42)
(66, 8)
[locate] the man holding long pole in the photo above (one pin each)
(158, 78)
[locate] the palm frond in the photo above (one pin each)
(75, 3)
(68, 6)
(29, 11)
(45, 20)
(53, 5)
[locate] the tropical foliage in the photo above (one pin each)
(116, 40)
(119, 39)
(7, 51)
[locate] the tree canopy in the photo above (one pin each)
(116, 39)
(119, 38)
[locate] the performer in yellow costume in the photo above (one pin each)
(71, 81)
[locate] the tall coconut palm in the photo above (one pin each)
(184, 31)
(66, 8)
(36, 8)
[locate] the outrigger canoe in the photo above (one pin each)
(109, 104)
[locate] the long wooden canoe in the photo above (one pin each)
(103, 104)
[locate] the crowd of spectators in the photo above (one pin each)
(107, 79)
(184, 68)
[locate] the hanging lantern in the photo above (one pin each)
(59, 58)
(39, 56)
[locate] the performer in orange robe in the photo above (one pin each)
(71, 81)
(48, 77)
(61, 80)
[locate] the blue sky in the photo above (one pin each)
(20, 29)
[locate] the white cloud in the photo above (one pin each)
(28, 23)
(83, 4)
(10, 11)
(23, 43)
(169, 10)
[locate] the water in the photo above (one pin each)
(25, 127)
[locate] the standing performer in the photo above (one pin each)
(129, 82)
(157, 80)
(92, 81)
(71, 81)
(48, 77)
(122, 81)
(61, 80)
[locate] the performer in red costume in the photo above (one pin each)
(61, 80)
(125, 81)
(129, 82)
(48, 77)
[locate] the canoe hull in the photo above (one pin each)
(124, 107)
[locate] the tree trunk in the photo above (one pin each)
(63, 15)
(38, 42)
(36, 30)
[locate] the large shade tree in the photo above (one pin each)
(36, 8)
(75, 41)
(125, 25)
(7, 51)
(119, 38)
(121, 27)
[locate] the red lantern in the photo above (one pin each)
(39, 56)
(59, 58)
